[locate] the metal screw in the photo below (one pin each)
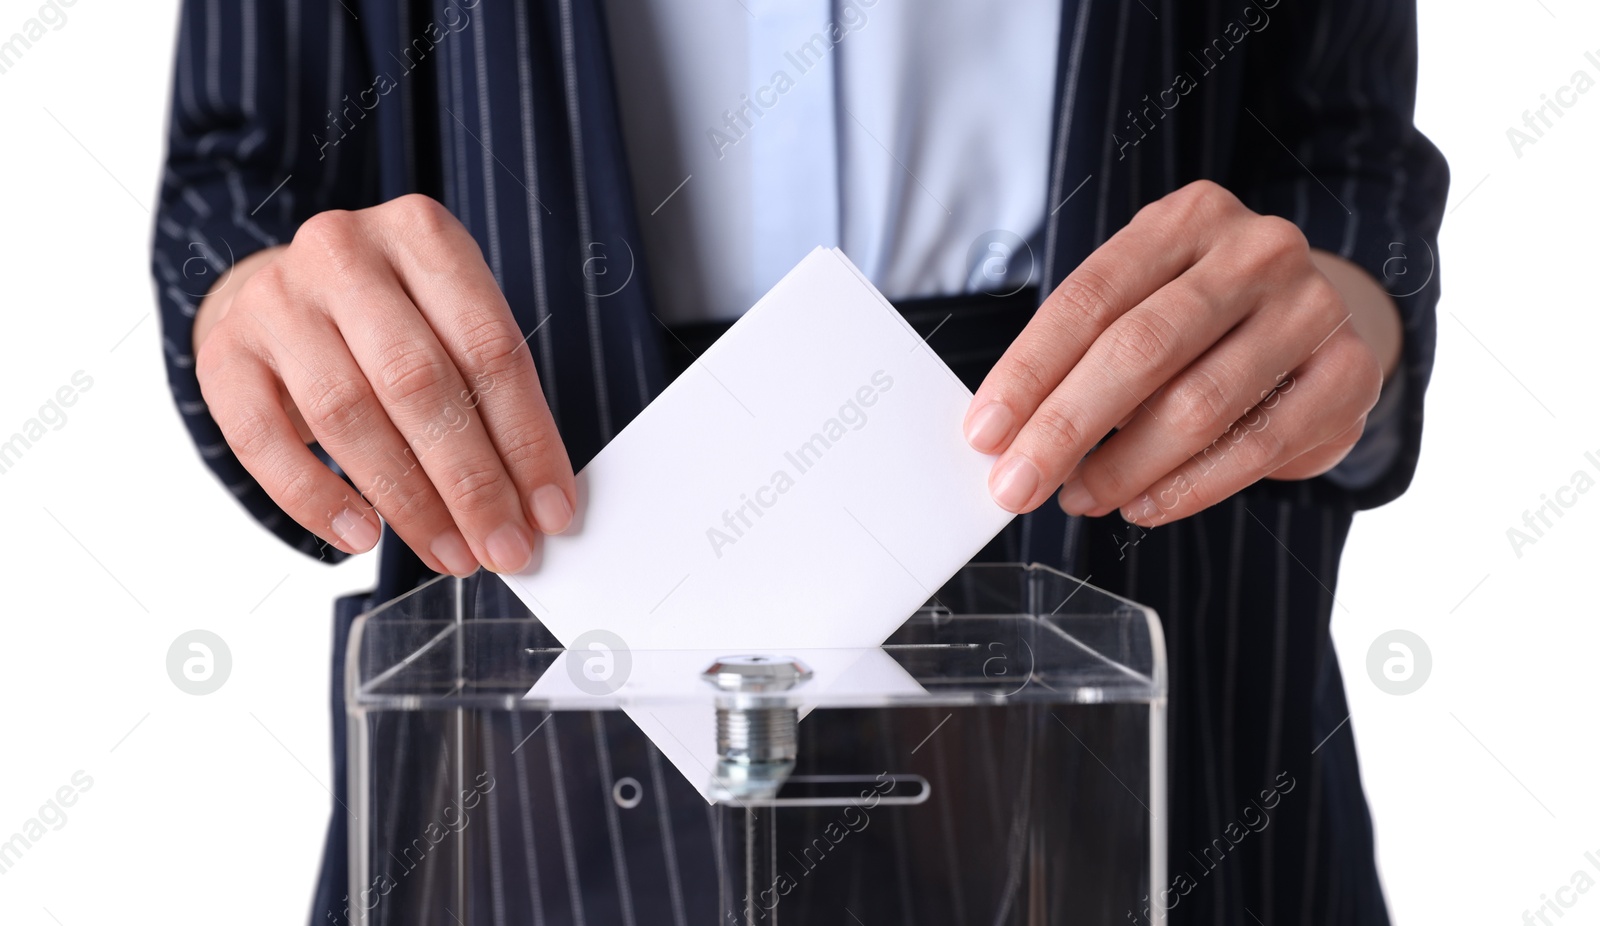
(756, 746)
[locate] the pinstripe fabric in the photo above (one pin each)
(484, 119)
(504, 110)
(525, 806)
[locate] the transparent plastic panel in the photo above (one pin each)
(1020, 779)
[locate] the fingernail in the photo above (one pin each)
(551, 510)
(509, 549)
(355, 531)
(986, 429)
(1075, 499)
(1142, 508)
(452, 551)
(1013, 486)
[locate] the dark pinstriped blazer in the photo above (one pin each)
(504, 111)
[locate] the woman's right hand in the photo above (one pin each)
(382, 335)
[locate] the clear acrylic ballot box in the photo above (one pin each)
(999, 760)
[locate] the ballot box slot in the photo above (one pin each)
(846, 791)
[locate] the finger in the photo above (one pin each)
(1200, 403)
(463, 305)
(340, 409)
(258, 430)
(1135, 357)
(1164, 239)
(425, 397)
(1323, 405)
(1319, 460)
(422, 391)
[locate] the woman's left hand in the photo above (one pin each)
(1210, 339)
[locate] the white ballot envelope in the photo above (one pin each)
(804, 485)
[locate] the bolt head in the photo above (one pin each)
(757, 673)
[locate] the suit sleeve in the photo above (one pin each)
(250, 155)
(1327, 140)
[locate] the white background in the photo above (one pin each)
(116, 539)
